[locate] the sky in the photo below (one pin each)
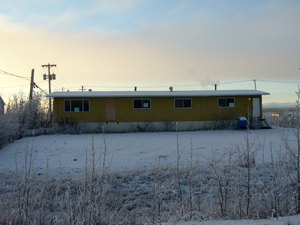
(110, 45)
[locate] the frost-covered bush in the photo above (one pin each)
(281, 117)
(219, 188)
(22, 114)
(29, 114)
(8, 129)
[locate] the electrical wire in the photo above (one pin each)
(62, 77)
(77, 88)
(240, 81)
(54, 85)
(14, 75)
(277, 81)
(35, 85)
(162, 86)
(21, 85)
(58, 80)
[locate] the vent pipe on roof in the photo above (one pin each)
(215, 87)
(254, 84)
(135, 88)
(171, 88)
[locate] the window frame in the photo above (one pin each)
(227, 103)
(83, 105)
(183, 99)
(141, 99)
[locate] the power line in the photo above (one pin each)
(187, 85)
(277, 81)
(75, 88)
(21, 85)
(55, 85)
(35, 85)
(232, 82)
(14, 75)
(160, 86)
(59, 83)
(62, 77)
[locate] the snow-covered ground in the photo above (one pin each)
(292, 220)
(137, 150)
(129, 151)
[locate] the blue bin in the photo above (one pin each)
(242, 123)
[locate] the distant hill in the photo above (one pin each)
(274, 105)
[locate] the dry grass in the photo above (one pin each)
(211, 190)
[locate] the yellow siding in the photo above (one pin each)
(162, 109)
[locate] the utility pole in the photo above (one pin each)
(82, 88)
(31, 84)
(49, 77)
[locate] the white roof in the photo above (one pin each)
(83, 94)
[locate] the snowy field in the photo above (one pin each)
(293, 220)
(138, 150)
(132, 151)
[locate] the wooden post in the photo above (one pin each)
(50, 77)
(31, 84)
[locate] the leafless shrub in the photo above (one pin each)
(145, 127)
(191, 190)
(168, 126)
(21, 115)
(9, 130)
(278, 117)
(225, 119)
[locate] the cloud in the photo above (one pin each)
(60, 21)
(113, 6)
(183, 44)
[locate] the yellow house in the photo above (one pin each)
(129, 111)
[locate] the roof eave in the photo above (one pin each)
(158, 94)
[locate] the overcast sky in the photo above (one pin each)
(152, 44)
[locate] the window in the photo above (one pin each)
(183, 103)
(225, 102)
(141, 103)
(77, 105)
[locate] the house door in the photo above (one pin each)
(110, 110)
(255, 107)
